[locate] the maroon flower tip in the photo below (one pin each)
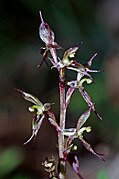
(41, 17)
(18, 90)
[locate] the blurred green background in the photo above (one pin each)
(96, 24)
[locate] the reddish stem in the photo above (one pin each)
(61, 142)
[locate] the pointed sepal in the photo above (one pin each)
(36, 125)
(90, 61)
(45, 32)
(29, 97)
(52, 120)
(83, 118)
(88, 100)
(74, 162)
(69, 94)
(89, 148)
(70, 53)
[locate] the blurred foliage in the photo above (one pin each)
(10, 159)
(102, 174)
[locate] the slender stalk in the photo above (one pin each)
(61, 142)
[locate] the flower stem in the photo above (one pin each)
(61, 142)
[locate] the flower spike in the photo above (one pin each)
(66, 136)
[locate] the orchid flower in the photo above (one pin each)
(73, 133)
(83, 70)
(50, 167)
(40, 110)
(48, 37)
(79, 85)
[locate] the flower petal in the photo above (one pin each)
(54, 123)
(69, 94)
(35, 127)
(89, 148)
(69, 140)
(47, 106)
(44, 53)
(74, 162)
(45, 32)
(89, 62)
(52, 120)
(29, 139)
(53, 54)
(73, 84)
(30, 97)
(70, 53)
(81, 71)
(69, 132)
(39, 109)
(88, 100)
(67, 150)
(83, 119)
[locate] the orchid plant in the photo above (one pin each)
(66, 136)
